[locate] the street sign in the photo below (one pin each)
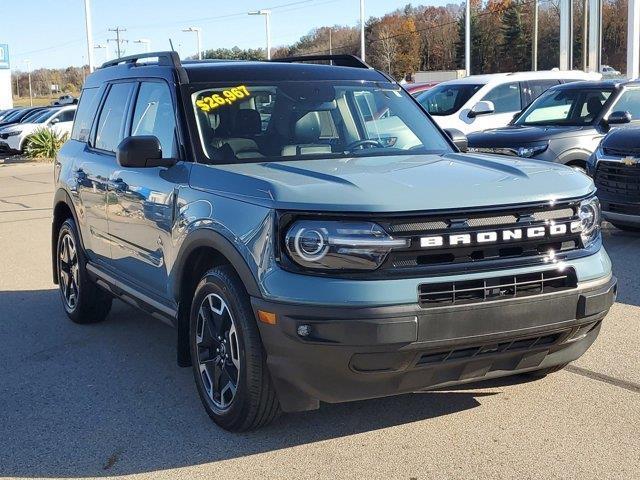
(4, 55)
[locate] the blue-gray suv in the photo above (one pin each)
(313, 235)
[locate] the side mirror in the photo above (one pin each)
(458, 138)
(483, 107)
(54, 121)
(618, 118)
(142, 151)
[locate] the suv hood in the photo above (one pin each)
(393, 184)
(520, 135)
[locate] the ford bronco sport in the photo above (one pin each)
(313, 235)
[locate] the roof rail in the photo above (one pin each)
(167, 59)
(339, 60)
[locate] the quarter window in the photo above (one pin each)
(505, 98)
(86, 112)
(112, 117)
(154, 115)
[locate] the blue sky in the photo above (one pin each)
(55, 37)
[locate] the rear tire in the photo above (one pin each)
(546, 371)
(83, 301)
(229, 361)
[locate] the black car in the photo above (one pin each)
(615, 166)
(565, 124)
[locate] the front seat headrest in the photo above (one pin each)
(594, 105)
(307, 129)
(248, 122)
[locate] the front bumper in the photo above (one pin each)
(354, 353)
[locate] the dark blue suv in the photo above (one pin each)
(313, 235)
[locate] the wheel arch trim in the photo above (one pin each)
(61, 197)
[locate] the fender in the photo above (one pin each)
(206, 237)
(572, 155)
(61, 196)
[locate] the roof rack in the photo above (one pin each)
(166, 59)
(339, 60)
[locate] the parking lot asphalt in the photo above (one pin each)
(108, 400)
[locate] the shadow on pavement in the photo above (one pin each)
(624, 249)
(108, 399)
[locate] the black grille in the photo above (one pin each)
(515, 251)
(495, 288)
(520, 344)
(619, 180)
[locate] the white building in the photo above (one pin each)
(6, 101)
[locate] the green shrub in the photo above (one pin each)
(44, 143)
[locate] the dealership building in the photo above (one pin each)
(6, 101)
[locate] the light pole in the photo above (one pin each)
(28, 62)
(197, 31)
(362, 52)
(267, 20)
(534, 42)
(146, 42)
(467, 37)
(87, 21)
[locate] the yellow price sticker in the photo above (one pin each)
(222, 98)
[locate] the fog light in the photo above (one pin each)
(304, 330)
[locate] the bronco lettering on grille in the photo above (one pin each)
(501, 236)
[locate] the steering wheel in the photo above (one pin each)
(362, 143)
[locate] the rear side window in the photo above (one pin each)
(154, 115)
(113, 117)
(66, 116)
(505, 98)
(534, 88)
(86, 111)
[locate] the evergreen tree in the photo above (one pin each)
(477, 45)
(515, 46)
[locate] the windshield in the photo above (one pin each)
(565, 107)
(302, 120)
(447, 99)
(44, 116)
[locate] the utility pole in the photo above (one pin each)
(467, 37)
(117, 39)
(534, 45)
(87, 21)
(28, 62)
(17, 84)
(362, 49)
(585, 34)
(330, 46)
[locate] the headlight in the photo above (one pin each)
(338, 245)
(590, 219)
(531, 151)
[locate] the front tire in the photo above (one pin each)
(229, 362)
(83, 301)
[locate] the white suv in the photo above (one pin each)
(479, 102)
(58, 119)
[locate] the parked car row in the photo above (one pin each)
(18, 124)
(574, 123)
